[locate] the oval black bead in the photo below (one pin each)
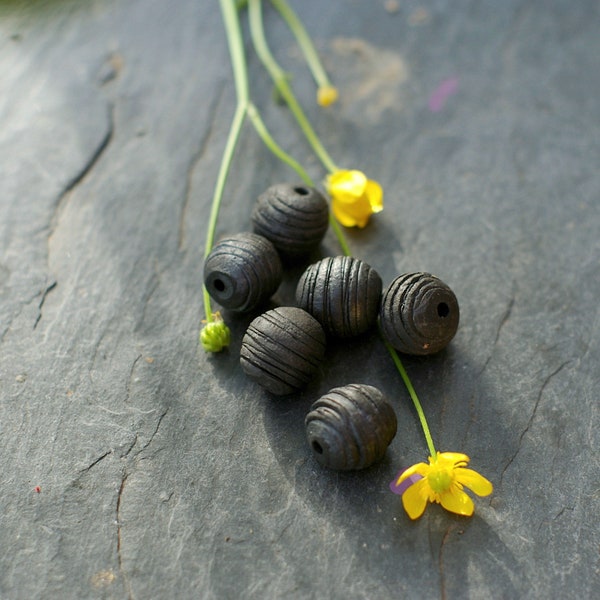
(293, 217)
(350, 427)
(283, 349)
(242, 271)
(419, 314)
(342, 293)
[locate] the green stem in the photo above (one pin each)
(238, 61)
(273, 146)
(413, 395)
(279, 79)
(304, 41)
(339, 234)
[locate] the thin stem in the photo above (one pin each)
(238, 61)
(304, 41)
(236, 49)
(339, 234)
(279, 79)
(273, 146)
(413, 396)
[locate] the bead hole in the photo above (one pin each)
(317, 447)
(443, 310)
(219, 285)
(301, 191)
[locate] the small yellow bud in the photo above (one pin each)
(326, 95)
(215, 336)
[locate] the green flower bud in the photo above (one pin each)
(215, 336)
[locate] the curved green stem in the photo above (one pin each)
(413, 395)
(273, 146)
(297, 28)
(279, 79)
(339, 234)
(238, 61)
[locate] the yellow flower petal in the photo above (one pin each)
(474, 481)
(347, 186)
(415, 499)
(419, 468)
(454, 457)
(374, 193)
(457, 502)
(352, 215)
(354, 198)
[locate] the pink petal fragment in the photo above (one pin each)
(400, 488)
(442, 93)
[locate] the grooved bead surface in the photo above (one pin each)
(350, 427)
(419, 314)
(242, 271)
(282, 349)
(293, 217)
(342, 293)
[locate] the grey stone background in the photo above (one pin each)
(164, 473)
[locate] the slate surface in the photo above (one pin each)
(166, 474)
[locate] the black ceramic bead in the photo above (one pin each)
(350, 427)
(242, 271)
(282, 349)
(293, 217)
(419, 314)
(342, 293)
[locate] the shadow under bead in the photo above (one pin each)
(242, 271)
(283, 349)
(342, 293)
(419, 314)
(350, 427)
(293, 217)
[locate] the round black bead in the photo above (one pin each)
(293, 217)
(419, 314)
(283, 349)
(242, 271)
(342, 293)
(350, 427)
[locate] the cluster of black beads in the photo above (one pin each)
(349, 427)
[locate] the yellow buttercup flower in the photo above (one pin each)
(354, 198)
(327, 95)
(441, 481)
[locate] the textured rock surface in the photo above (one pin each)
(163, 473)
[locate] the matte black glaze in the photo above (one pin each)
(343, 293)
(293, 217)
(282, 349)
(350, 427)
(242, 271)
(419, 314)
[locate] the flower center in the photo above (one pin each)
(440, 478)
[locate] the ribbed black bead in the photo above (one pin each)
(350, 427)
(342, 293)
(282, 349)
(419, 314)
(293, 217)
(242, 271)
